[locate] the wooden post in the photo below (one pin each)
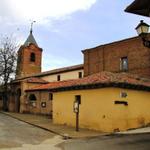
(77, 121)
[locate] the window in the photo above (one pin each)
(58, 77)
(124, 64)
(80, 74)
(32, 57)
(32, 97)
(50, 96)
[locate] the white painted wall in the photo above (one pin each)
(64, 76)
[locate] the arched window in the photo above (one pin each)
(32, 57)
(32, 97)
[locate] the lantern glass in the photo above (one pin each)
(142, 28)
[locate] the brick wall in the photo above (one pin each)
(107, 57)
(25, 66)
(42, 97)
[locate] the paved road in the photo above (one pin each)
(17, 135)
(117, 142)
(14, 133)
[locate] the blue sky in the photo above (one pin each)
(65, 27)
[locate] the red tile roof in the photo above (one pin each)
(98, 80)
(35, 80)
(32, 80)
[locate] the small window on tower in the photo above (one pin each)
(32, 57)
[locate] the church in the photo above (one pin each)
(111, 88)
(29, 75)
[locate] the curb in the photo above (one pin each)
(128, 134)
(132, 133)
(65, 137)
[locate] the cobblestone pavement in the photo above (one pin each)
(17, 135)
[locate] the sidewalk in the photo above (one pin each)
(136, 131)
(45, 123)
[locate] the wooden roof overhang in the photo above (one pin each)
(139, 7)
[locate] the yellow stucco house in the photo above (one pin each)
(108, 101)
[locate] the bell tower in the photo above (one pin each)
(29, 57)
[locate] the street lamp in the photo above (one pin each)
(142, 30)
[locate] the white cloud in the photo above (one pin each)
(41, 10)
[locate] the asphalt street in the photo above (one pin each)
(14, 133)
(17, 135)
(112, 142)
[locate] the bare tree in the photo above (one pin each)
(8, 57)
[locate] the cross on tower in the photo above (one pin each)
(32, 26)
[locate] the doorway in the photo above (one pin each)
(18, 100)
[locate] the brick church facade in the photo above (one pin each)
(112, 87)
(112, 78)
(127, 55)
(29, 75)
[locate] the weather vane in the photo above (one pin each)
(32, 26)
